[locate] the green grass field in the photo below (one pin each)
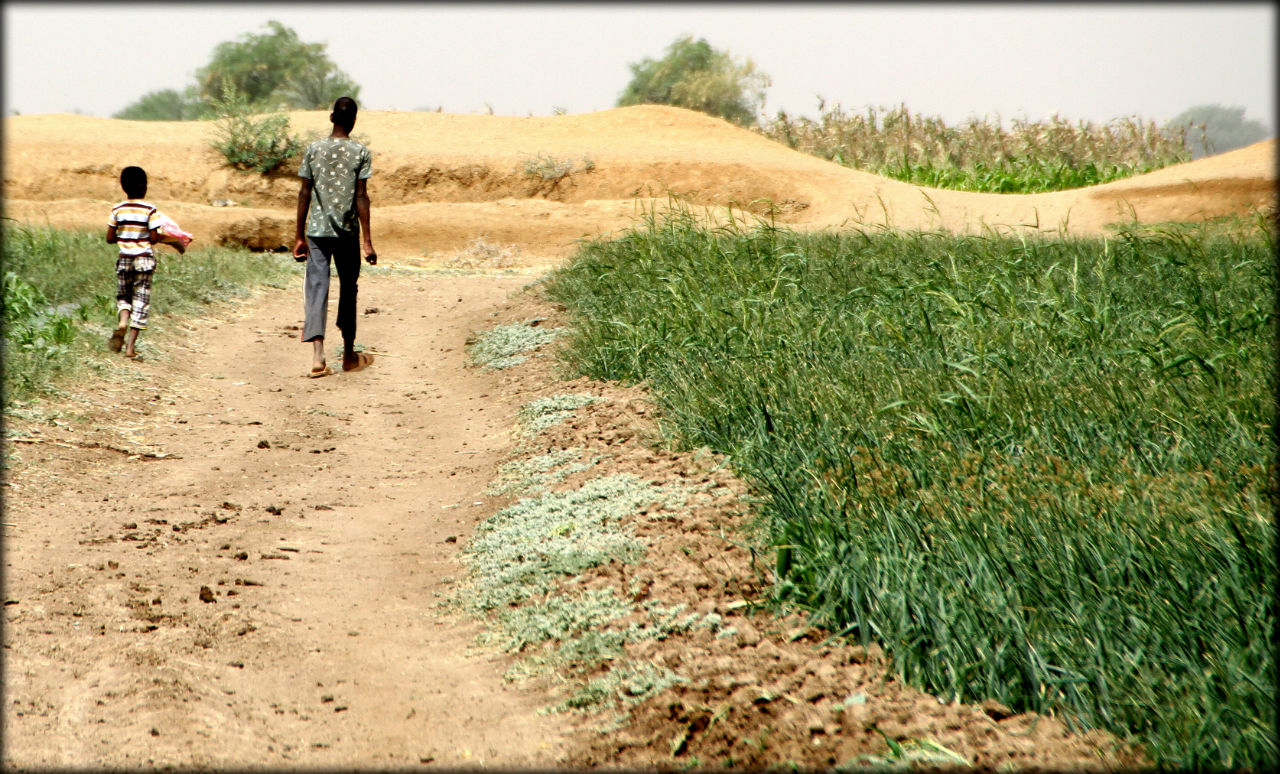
(1034, 469)
(984, 156)
(59, 298)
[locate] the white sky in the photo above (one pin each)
(1086, 62)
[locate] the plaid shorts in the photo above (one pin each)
(133, 290)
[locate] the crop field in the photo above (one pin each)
(982, 156)
(1035, 469)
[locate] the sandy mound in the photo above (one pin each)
(442, 180)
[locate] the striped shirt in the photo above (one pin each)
(133, 220)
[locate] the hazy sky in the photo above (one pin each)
(1089, 61)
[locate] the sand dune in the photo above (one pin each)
(442, 180)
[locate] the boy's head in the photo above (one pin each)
(134, 182)
(344, 113)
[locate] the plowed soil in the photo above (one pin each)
(212, 561)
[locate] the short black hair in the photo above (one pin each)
(344, 112)
(134, 182)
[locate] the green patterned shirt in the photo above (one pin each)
(333, 165)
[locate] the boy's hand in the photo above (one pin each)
(300, 251)
(369, 254)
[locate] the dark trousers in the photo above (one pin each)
(345, 253)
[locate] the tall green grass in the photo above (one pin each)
(1028, 157)
(1035, 469)
(59, 297)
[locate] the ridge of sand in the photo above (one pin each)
(441, 180)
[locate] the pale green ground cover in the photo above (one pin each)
(509, 345)
(520, 560)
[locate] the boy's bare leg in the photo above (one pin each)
(317, 359)
(129, 342)
(349, 357)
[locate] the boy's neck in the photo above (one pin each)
(340, 133)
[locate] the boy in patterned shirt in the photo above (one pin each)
(134, 225)
(333, 207)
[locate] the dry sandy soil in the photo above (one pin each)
(212, 561)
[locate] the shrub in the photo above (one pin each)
(544, 166)
(260, 143)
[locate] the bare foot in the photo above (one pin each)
(117, 339)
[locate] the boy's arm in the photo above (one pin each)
(111, 235)
(304, 204)
(362, 215)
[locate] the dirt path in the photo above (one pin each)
(266, 589)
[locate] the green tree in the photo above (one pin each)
(165, 105)
(1217, 129)
(275, 70)
(694, 75)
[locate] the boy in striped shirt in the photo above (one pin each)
(133, 225)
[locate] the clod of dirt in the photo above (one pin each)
(451, 539)
(264, 444)
(272, 509)
(206, 594)
(995, 710)
(242, 555)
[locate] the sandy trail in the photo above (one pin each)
(325, 644)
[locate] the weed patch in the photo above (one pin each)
(544, 166)
(519, 559)
(544, 413)
(508, 345)
(534, 474)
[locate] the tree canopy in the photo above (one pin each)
(272, 70)
(1216, 129)
(165, 105)
(696, 76)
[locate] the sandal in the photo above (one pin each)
(363, 361)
